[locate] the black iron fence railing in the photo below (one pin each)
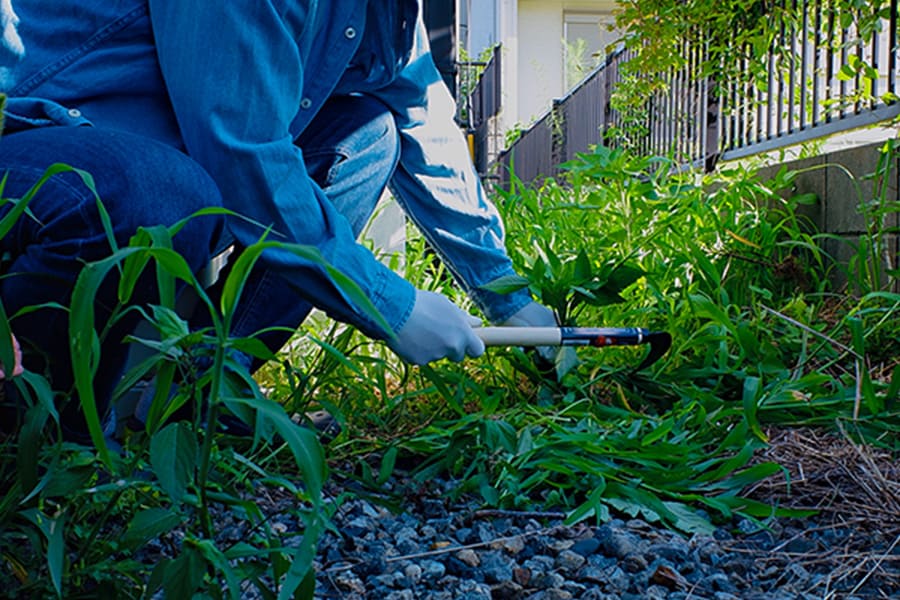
(823, 76)
(477, 112)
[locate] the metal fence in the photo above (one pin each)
(573, 124)
(478, 111)
(824, 76)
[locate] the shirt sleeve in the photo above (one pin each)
(235, 79)
(438, 186)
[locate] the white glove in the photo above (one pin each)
(436, 329)
(563, 358)
(535, 315)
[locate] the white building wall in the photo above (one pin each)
(540, 77)
(532, 34)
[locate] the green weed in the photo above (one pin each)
(78, 520)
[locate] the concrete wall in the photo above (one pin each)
(841, 181)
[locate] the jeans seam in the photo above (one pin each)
(103, 34)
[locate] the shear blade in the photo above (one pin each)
(660, 342)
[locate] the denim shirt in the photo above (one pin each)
(233, 84)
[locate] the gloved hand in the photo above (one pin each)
(436, 329)
(535, 315)
(563, 358)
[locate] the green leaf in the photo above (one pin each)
(689, 520)
(173, 456)
(809, 199)
(20, 206)
(52, 529)
(83, 343)
(748, 476)
(149, 524)
(624, 276)
(890, 396)
(847, 73)
(300, 578)
(217, 559)
(303, 443)
(184, 575)
(592, 506)
(750, 399)
(506, 284)
(387, 465)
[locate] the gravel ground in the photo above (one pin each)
(435, 550)
(849, 550)
(438, 549)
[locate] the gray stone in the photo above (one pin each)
(473, 590)
(672, 551)
(586, 547)
(569, 561)
(496, 567)
(657, 592)
(617, 581)
(432, 570)
(548, 581)
(463, 534)
(576, 589)
(469, 557)
(413, 572)
(634, 563)
(347, 581)
(506, 590)
(385, 580)
(539, 564)
(513, 545)
(619, 544)
(717, 582)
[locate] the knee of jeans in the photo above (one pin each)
(159, 185)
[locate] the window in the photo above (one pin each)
(586, 36)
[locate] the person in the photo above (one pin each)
(294, 114)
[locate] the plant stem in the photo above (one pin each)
(212, 418)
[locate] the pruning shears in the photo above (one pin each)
(659, 341)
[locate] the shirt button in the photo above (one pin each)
(305, 103)
(350, 33)
(74, 113)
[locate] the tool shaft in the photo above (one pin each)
(520, 336)
(561, 336)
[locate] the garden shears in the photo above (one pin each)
(659, 341)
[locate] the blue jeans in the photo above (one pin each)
(351, 150)
(140, 182)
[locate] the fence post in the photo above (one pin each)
(712, 126)
(557, 135)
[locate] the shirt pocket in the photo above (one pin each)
(29, 113)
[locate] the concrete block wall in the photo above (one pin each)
(843, 183)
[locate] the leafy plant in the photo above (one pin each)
(725, 264)
(78, 520)
(736, 47)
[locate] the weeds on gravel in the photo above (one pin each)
(729, 267)
(78, 520)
